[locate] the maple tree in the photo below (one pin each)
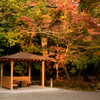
(92, 8)
(87, 23)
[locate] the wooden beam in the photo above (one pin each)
(11, 75)
(43, 73)
(1, 72)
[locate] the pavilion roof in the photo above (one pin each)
(22, 56)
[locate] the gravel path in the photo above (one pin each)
(51, 94)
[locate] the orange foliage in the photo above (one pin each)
(30, 23)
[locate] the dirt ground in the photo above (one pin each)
(77, 83)
(79, 80)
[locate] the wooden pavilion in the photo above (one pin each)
(7, 81)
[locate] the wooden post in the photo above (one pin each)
(43, 73)
(1, 72)
(11, 75)
(29, 71)
(51, 82)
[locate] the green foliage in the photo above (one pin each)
(20, 67)
(77, 63)
(2, 43)
(90, 6)
(1, 50)
(73, 71)
(11, 23)
(95, 60)
(37, 65)
(12, 4)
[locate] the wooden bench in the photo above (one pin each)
(27, 82)
(15, 86)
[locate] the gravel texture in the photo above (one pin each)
(48, 94)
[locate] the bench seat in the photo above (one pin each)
(27, 82)
(15, 86)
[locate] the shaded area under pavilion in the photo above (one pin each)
(7, 82)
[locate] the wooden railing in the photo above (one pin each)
(27, 78)
(6, 82)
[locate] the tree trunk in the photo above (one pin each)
(8, 50)
(67, 75)
(65, 68)
(97, 77)
(85, 77)
(44, 45)
(57, 71)
(57, 65)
